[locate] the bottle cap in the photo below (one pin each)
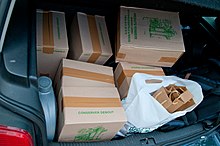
(44, 84)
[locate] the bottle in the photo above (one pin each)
(48, 102)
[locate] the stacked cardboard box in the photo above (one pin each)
(72, 73)
(149, 37)
(52, 43)
(124, 72)
(89, 41)
(89, 103)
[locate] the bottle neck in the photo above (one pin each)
(44, 84)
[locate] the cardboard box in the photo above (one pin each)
(161, 96)
(52, 43)
(124, 72)
(174, 98)
(190, 103)
(89, 114)
(149, 37)
(72, 73)
(89, 41)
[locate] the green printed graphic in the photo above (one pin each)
(87, 54)
(58, 27)
(95, 112)
(90, 134)
(60, 51)
(125, 25)
(140, 67)
(135, 26)
(101, 31)
(130, 25)
(161, 28)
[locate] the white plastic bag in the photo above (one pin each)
(144, 111)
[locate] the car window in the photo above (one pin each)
(6, 7)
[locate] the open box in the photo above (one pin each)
(174, 98)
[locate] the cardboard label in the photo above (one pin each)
(94, 38)
(48, 42)
(91, 102)
(87, 75)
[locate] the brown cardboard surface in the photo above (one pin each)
(142, 37)
(87, 75)
(48, 42)
(130, 73)
(51, 41)
(97, 111)
(149, 56)
(95, 39)
(161, 96)
(174, 98)
(72, 73)
(89, 39)
(168, 59)
(124, 71)
(121, 55)
(88, 132)
(90, 102)
(186, 105)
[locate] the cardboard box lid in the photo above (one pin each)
(150, 29)
(92, 105)
(87, 71)
(51, 31)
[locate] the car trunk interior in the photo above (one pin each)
(200, 45)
